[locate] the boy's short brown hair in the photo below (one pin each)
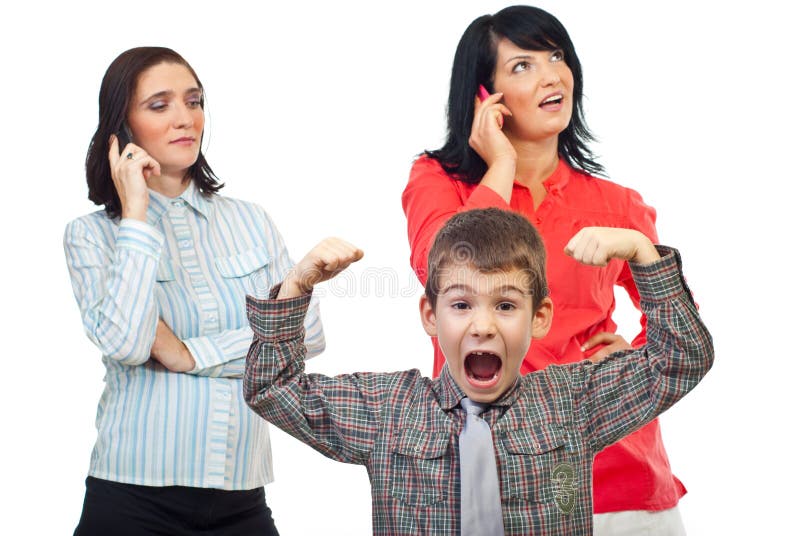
(489, 240)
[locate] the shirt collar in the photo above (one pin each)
(451, 394)
(558, 180)
(159, 203)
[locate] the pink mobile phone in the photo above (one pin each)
(483, 94)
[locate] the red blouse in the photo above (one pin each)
(633, 474)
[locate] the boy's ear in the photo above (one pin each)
(542, 319)
(428, 316)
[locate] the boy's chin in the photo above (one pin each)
(483, 398)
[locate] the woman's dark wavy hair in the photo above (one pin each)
(474, 63)
(116, 93)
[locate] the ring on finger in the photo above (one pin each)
(129, 156)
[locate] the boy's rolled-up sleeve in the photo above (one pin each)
(277, 349)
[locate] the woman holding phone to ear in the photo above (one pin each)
(517, 140)
(160, 276)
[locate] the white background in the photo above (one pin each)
(316, 112)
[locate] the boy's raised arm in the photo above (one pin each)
(596, 246)
(630, 388)
(332, 415)
(322, 263)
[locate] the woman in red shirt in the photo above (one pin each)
(517, 140)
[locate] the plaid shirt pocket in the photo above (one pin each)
(420, 467)
(528, 458)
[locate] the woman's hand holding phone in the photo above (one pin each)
(490, 142)
(487, 137)
(131, 166)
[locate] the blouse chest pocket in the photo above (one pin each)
(247, 266)
(420, 467)
(531, 459)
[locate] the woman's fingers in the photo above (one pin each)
(486, 136)
(130, 170)
(113, 151)
(611, 343)
(490, 111)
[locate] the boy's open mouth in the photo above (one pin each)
(482, 369)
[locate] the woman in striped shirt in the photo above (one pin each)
(160, 276)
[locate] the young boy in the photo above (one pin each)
(486, 298)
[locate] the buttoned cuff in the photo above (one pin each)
(277, 320)
(139, 236)
(660, 280)
(220, 348)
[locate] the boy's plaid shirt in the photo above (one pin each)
(404, 428)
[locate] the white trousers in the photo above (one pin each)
(640, 523)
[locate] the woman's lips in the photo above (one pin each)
(183, 141)
(552, 103)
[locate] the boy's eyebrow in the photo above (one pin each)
(456, 286)
(511, 288)
(462, 287)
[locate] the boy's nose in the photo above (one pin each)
(483, 324)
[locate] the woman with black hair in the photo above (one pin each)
(517, 139)
(160, 277)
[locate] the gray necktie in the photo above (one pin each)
(481, 514)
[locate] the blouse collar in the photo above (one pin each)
(191, 196)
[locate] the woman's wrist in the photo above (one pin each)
(187, 359)
(505, 164)
(135, 212)
(500, 177)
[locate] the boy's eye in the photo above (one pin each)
(506, 306)
(557, 55)
(521, 66)
(460, 306)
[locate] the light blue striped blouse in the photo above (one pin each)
(191, 264)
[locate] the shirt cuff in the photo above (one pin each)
(277, 320)
(139, 236)
(662, 279)
(220, 348)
